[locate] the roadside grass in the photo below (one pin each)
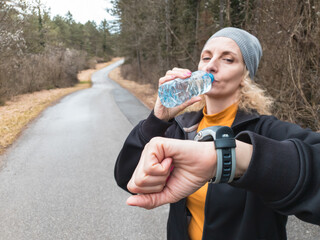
(22, 109)
(84, 82)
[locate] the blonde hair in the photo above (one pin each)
(253, 97)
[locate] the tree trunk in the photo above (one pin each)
(221, 22)
(228, 19)
(138, 57)
(196, 39)
(40, 27)
(168, 35)
(247, 9)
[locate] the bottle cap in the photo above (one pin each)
(211, 76)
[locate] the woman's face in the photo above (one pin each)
(222, 57)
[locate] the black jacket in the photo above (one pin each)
(283, 177)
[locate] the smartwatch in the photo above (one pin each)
(225, 144)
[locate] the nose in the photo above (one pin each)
(212, 66)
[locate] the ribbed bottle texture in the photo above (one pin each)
(177, 91)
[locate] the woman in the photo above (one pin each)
(277, 163)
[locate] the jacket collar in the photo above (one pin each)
(243, 117)
(189, 122)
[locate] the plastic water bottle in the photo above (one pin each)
(177, 91)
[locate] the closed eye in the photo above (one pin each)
(228, 60)
(206, 59)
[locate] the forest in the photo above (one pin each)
(39, 51)
(157, 35)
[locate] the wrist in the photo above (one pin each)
(224, 144)
(210, 154)
(161, 117)
(161, 112)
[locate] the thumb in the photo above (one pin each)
(190, 102)
(166, 164)
(194, 100)
(147, 201)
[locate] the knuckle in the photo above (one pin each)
(148, 171)
(162, 79)
(161, 187)
(169, 72)
(154, 141)
(132, 188)
(161, 171)
(139, 182)
(142, 181)
(157, 139)
(153, 202)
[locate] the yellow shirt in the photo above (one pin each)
(196, 201)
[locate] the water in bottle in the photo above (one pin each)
(177, 91)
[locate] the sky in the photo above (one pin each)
(81, 10)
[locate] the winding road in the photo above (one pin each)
(57, 180)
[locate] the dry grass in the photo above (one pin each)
(22, 109)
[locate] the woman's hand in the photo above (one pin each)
(164, 113)
(194, 164)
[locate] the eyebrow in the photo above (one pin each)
(223, 53)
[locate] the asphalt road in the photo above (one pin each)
(57, 179)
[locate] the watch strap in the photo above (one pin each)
(225, 144)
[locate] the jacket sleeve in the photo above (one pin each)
(130, 153)
(285, 169)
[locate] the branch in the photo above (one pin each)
(180, 43)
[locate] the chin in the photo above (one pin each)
(212, 95)
(213, 91)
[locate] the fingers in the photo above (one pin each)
(150, 175)
(162, 112)
(190, 102)
(179, 72)
(166, 114)
(166, 78)
(147, 183)
(133, 188)
(160, 168)
(153, 160)
(175, 73)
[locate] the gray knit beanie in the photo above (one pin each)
(249, 46)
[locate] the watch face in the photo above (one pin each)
(206, 134)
